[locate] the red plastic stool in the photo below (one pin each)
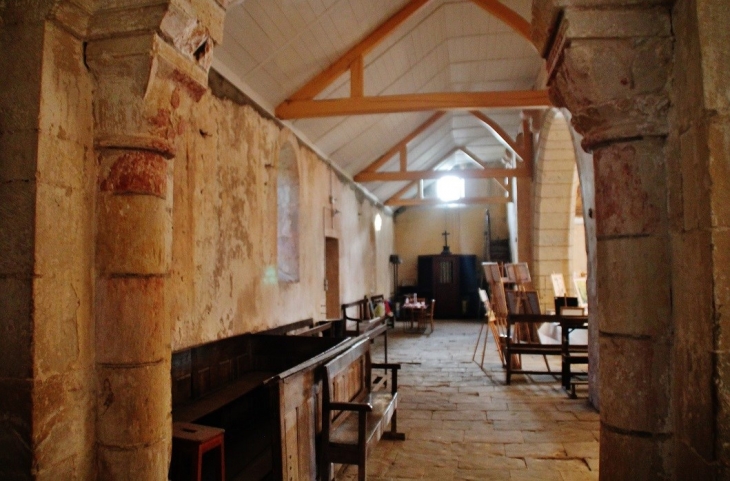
(195, 440)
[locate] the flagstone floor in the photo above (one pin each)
(463, 423)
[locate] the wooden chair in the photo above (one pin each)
(425, 316)
(193, 441)
(499, 307)
(489, 322)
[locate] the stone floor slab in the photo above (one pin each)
(464, 424)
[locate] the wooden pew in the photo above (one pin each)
(305, 327)
(263, 390)
(515, 348)
(358, 318)
(354, 417)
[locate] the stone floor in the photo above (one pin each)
(464, 423)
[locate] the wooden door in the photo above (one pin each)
(332, 277)
(446, 289)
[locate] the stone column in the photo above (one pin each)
(147, 76)
(525, 201)
(613, 75)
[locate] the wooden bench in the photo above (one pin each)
(513, 348)
(354, 417)
(358, 318)
(263, 390)
(305, 327)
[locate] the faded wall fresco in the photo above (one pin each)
(224, 268)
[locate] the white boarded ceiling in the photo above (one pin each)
(272, 48)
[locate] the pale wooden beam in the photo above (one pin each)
(499, 133)
(508, 16)
(437, 174)
(403, 158)
(357, 80)
(436, 201)
(410, 185)
(403, 143)
(388, 104)
(474, 157)
(341, 65)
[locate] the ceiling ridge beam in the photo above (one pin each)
(473, 157)
(499, 133)
(507, 16)
(375, 165)
(436, 201)
(412, 175)
(388, 104)
(430, 166)
(341, 65)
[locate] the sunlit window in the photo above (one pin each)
(450, 188)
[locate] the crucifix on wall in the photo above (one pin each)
(446, 251)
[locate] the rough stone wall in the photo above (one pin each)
(554, 207)
(418, 232)
(584, 161)
(699, 146)
(614, 76)
(47, 173)
(224, 265)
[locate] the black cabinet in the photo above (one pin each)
(452, 281)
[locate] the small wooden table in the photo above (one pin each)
(416, 309)
(194, 440)
(567, 325)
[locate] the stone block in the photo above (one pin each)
(132, 322)
(627, 457)
(553, 237)
(133, 405)
(16, 414)
(65, 230)
(17, 218)
(63, 322)
(694, 328)
(615, 88)
(134, 234)
(18, 154)
(691, 465)
(675, 201)
(687, 85)
(630, 188)
(722, 409)
(693, 166)
(718, 177)
(714, 39)
(134, 463)
(639, 367)
(66, 91)
(20, 95)
(16, 324)
(721, 287)
(64, 424)
(633, 285)
(618, 23)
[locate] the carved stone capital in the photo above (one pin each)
(610, 66)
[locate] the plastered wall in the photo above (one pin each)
(418, 232)
(224, 278)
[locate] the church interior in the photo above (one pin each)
(212, 211)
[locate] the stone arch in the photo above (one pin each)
(287, 218)
(556, 187)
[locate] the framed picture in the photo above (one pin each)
(581, 290)
(572, 311)
(558, 284)
(532, 306)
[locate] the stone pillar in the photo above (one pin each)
(525, 204)
(147, 76)
(613, 75)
